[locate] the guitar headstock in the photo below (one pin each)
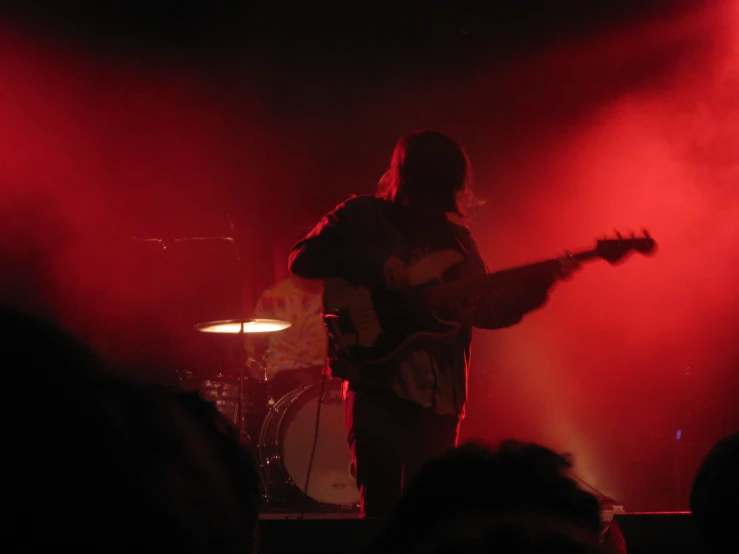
(614, 250)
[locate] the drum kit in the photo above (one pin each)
(297, 437)
(296, 431)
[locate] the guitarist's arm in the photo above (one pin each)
(504, 307)
(338, 247)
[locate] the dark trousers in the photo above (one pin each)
(390, 439)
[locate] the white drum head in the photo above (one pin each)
(331, 476)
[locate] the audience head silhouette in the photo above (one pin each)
(517, 482)
(98, 460)
(523, 533)
(714, 498)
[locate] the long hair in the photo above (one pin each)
(428, 166)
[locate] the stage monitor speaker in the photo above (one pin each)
(663, 533)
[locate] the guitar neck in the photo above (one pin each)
(455, 290)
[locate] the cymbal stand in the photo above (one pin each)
(241, 411)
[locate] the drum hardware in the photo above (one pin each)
(168, 247)
(238, 328)
(298, 469)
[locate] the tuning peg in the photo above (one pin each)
(618, 235)
(646, 234)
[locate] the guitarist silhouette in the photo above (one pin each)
(405, 366)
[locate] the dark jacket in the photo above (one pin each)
(353, 242)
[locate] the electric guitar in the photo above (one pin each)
(374, 326)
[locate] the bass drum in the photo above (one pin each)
(286, 444)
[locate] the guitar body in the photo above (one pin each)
(373, 326)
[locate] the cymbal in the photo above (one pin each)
(234, 326)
